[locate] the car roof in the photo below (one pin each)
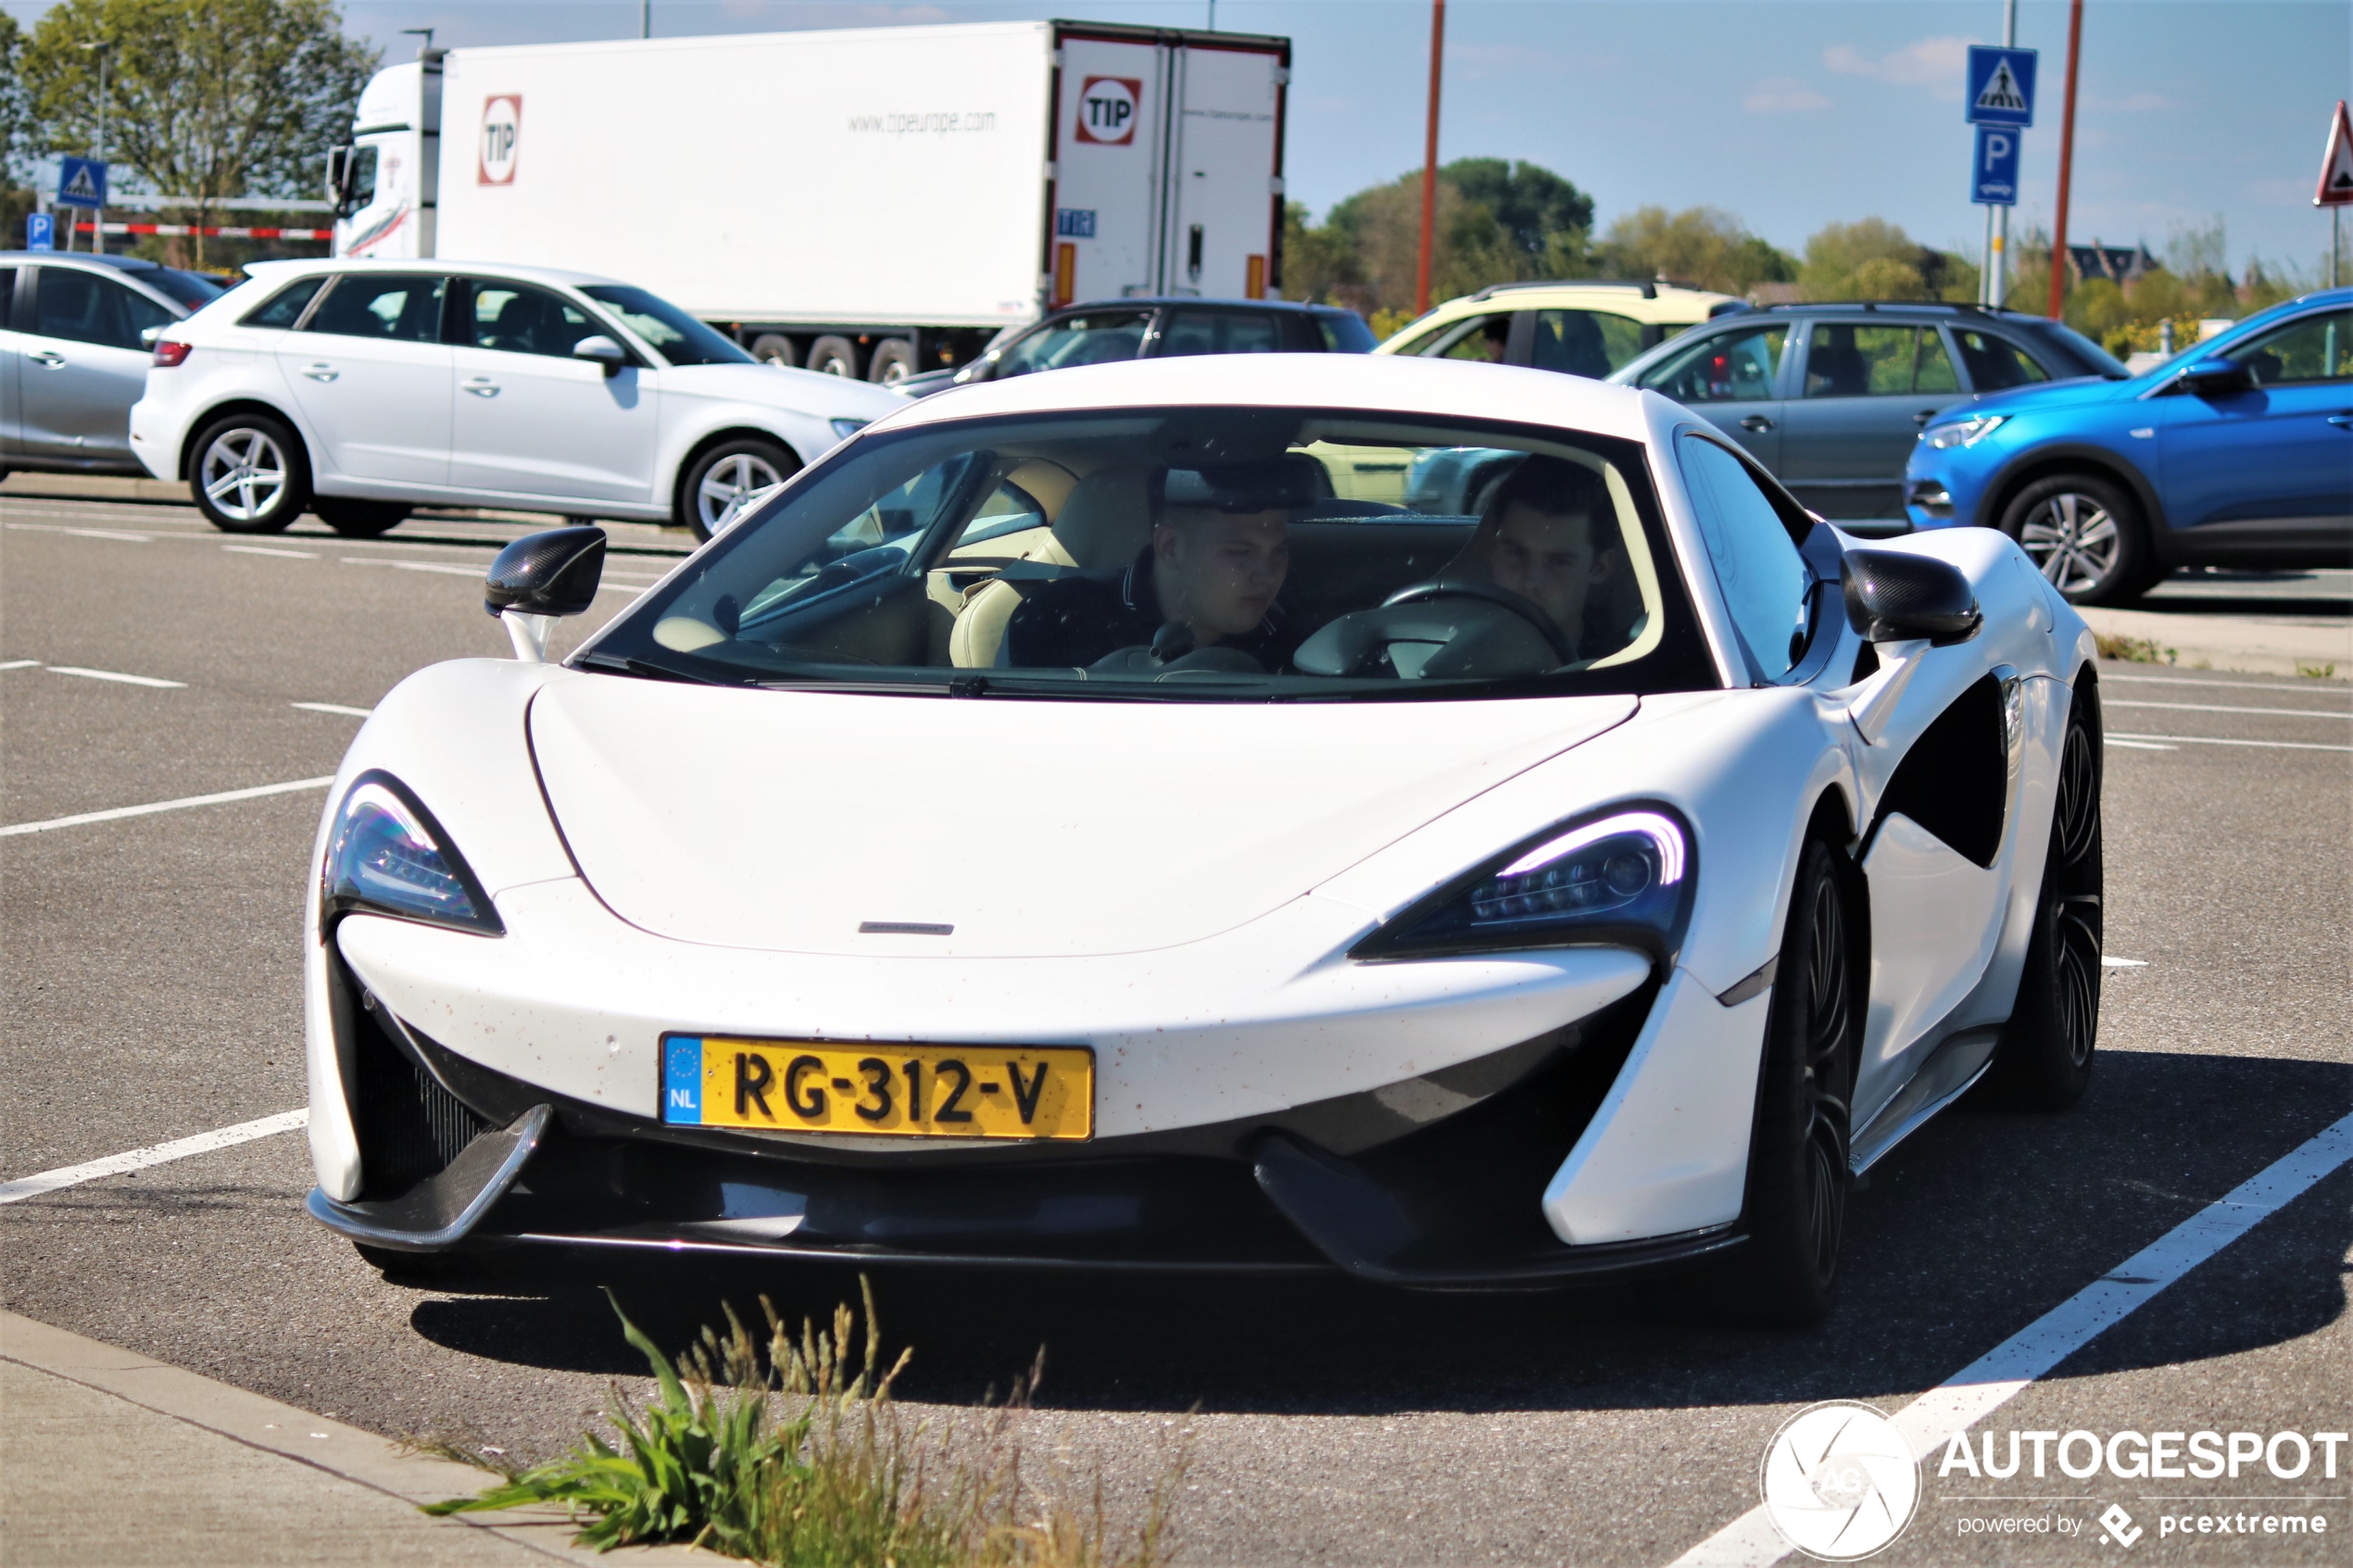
(1933, 309)
(1436, 388)
(1654, 303)
(83, 257)
(1294, 306)
(562, 277)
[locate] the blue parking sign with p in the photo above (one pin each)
(39, 231)
(1994, 181)
(2001, 86)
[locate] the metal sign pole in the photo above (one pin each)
(1998, 264)
(1429, 158)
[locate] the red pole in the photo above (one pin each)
(2066, 157)
(1430, 155)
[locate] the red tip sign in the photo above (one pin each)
(2336, 167)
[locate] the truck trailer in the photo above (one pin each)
(870, 202)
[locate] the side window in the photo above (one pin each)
(1007, 510)
(406, 309)
(86, 308)
(2317, 348)
(1724, 367)
(284, 307)
(1932, 367)
(1764, 579)
(7, 293)
(518, 318)
(1344, 331)
(1996, 362)
(1092, 339)
(1584, 343)
(1220, 332)
(1482, 338)
(1852, 361)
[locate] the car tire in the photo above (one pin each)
(249, 474)
(834, 357)
(2086, 536)
(893, 361)
(1797, 1158)
(724, 474)
(359, 520)
(773, 348)
(2045, 1058)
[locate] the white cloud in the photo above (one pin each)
(1783, 95)
(1939, 64)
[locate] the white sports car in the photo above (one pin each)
(1064, 827)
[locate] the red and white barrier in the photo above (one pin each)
(181, 230)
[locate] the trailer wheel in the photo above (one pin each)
(835, 356)
(773, 348)
(893, 362)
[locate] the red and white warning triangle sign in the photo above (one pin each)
(2336, 168)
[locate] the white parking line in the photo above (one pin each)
(119, 812)
(2209, 708)
(2110, 961)
(21, 664)
(1986, 1384)
(155, 1154)
(2218, 740)
(266, 550)
(332, 708)
(116, 675)
(109, 533)
(2136, 745)
(2323, 688)
(473, 571)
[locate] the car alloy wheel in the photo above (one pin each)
(725, 486)
(244, 474)
(2073, 540)
(1827, 996)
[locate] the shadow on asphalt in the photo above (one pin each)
(1974, 1227)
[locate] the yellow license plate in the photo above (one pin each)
(903, 1091)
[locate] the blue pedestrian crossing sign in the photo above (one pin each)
(81, 181)
(2001, 86)
(1995, 180)
(39, 231)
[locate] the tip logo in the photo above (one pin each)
(1840, 1480)
(1107, 109)
(501, 127)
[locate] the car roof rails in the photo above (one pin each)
(1956, 307)
(1650, 286)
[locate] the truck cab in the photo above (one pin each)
(385, 182)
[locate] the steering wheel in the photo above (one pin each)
(1471, 588)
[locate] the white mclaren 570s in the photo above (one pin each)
(1462, 826)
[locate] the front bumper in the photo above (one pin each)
(460, 1156)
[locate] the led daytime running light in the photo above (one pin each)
(1664, 835)
(388, 857)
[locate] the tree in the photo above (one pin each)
(16, 128)
(1872, 258)
(1544, 218)
(204, 98)
(1704, 247)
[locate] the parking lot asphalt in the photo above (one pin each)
(152, 992)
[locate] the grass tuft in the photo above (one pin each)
(2135, 650)
(2315, 672)
(794, 1454)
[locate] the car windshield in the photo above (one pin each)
(1190, 553)
(677, 337)
(2097, 360)
(191, 289)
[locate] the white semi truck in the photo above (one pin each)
(870, 202)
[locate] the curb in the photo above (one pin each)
(342, 1456)
(2256, 645)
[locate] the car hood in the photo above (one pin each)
(2076, 392)
(774, 386)
(785, 821)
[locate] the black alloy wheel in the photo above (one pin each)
(2085, 535)
(1798, 1161)
(359, 520)
(2045, 1058)
(249, 474)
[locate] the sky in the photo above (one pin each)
(1790, 114)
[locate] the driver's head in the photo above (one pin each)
(1552, 543)
(1221, 547)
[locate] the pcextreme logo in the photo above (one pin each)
(1839, 1481)
(1107, 109)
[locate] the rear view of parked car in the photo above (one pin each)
(1156, 329)
(1578, 328)
(360, 389)
(75, 339)
(1831, 398)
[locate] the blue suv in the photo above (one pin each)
(2237, 452)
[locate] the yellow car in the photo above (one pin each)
(1580, 329)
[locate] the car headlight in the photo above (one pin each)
(1621, 879)
(844, 429)
(1964, 432)
(388, 857)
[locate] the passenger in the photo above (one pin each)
(1211, 576)
(1550, 518)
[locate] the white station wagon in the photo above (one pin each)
(358, 389)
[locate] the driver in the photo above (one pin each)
(1548, 545)
(1212, 575)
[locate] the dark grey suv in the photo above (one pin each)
(1148, 329)
(1831, 398)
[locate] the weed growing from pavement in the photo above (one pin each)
(798, 1456)
(2316, 672)
(2135, 650)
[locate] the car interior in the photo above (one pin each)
(874, 569)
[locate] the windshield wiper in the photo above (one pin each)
(625, 665)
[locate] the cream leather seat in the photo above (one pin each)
(1103, 525)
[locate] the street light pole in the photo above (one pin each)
(2067, 157)
(1429, 156)
(98, 215)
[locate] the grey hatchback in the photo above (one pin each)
(77, 333)
(1831, 398)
